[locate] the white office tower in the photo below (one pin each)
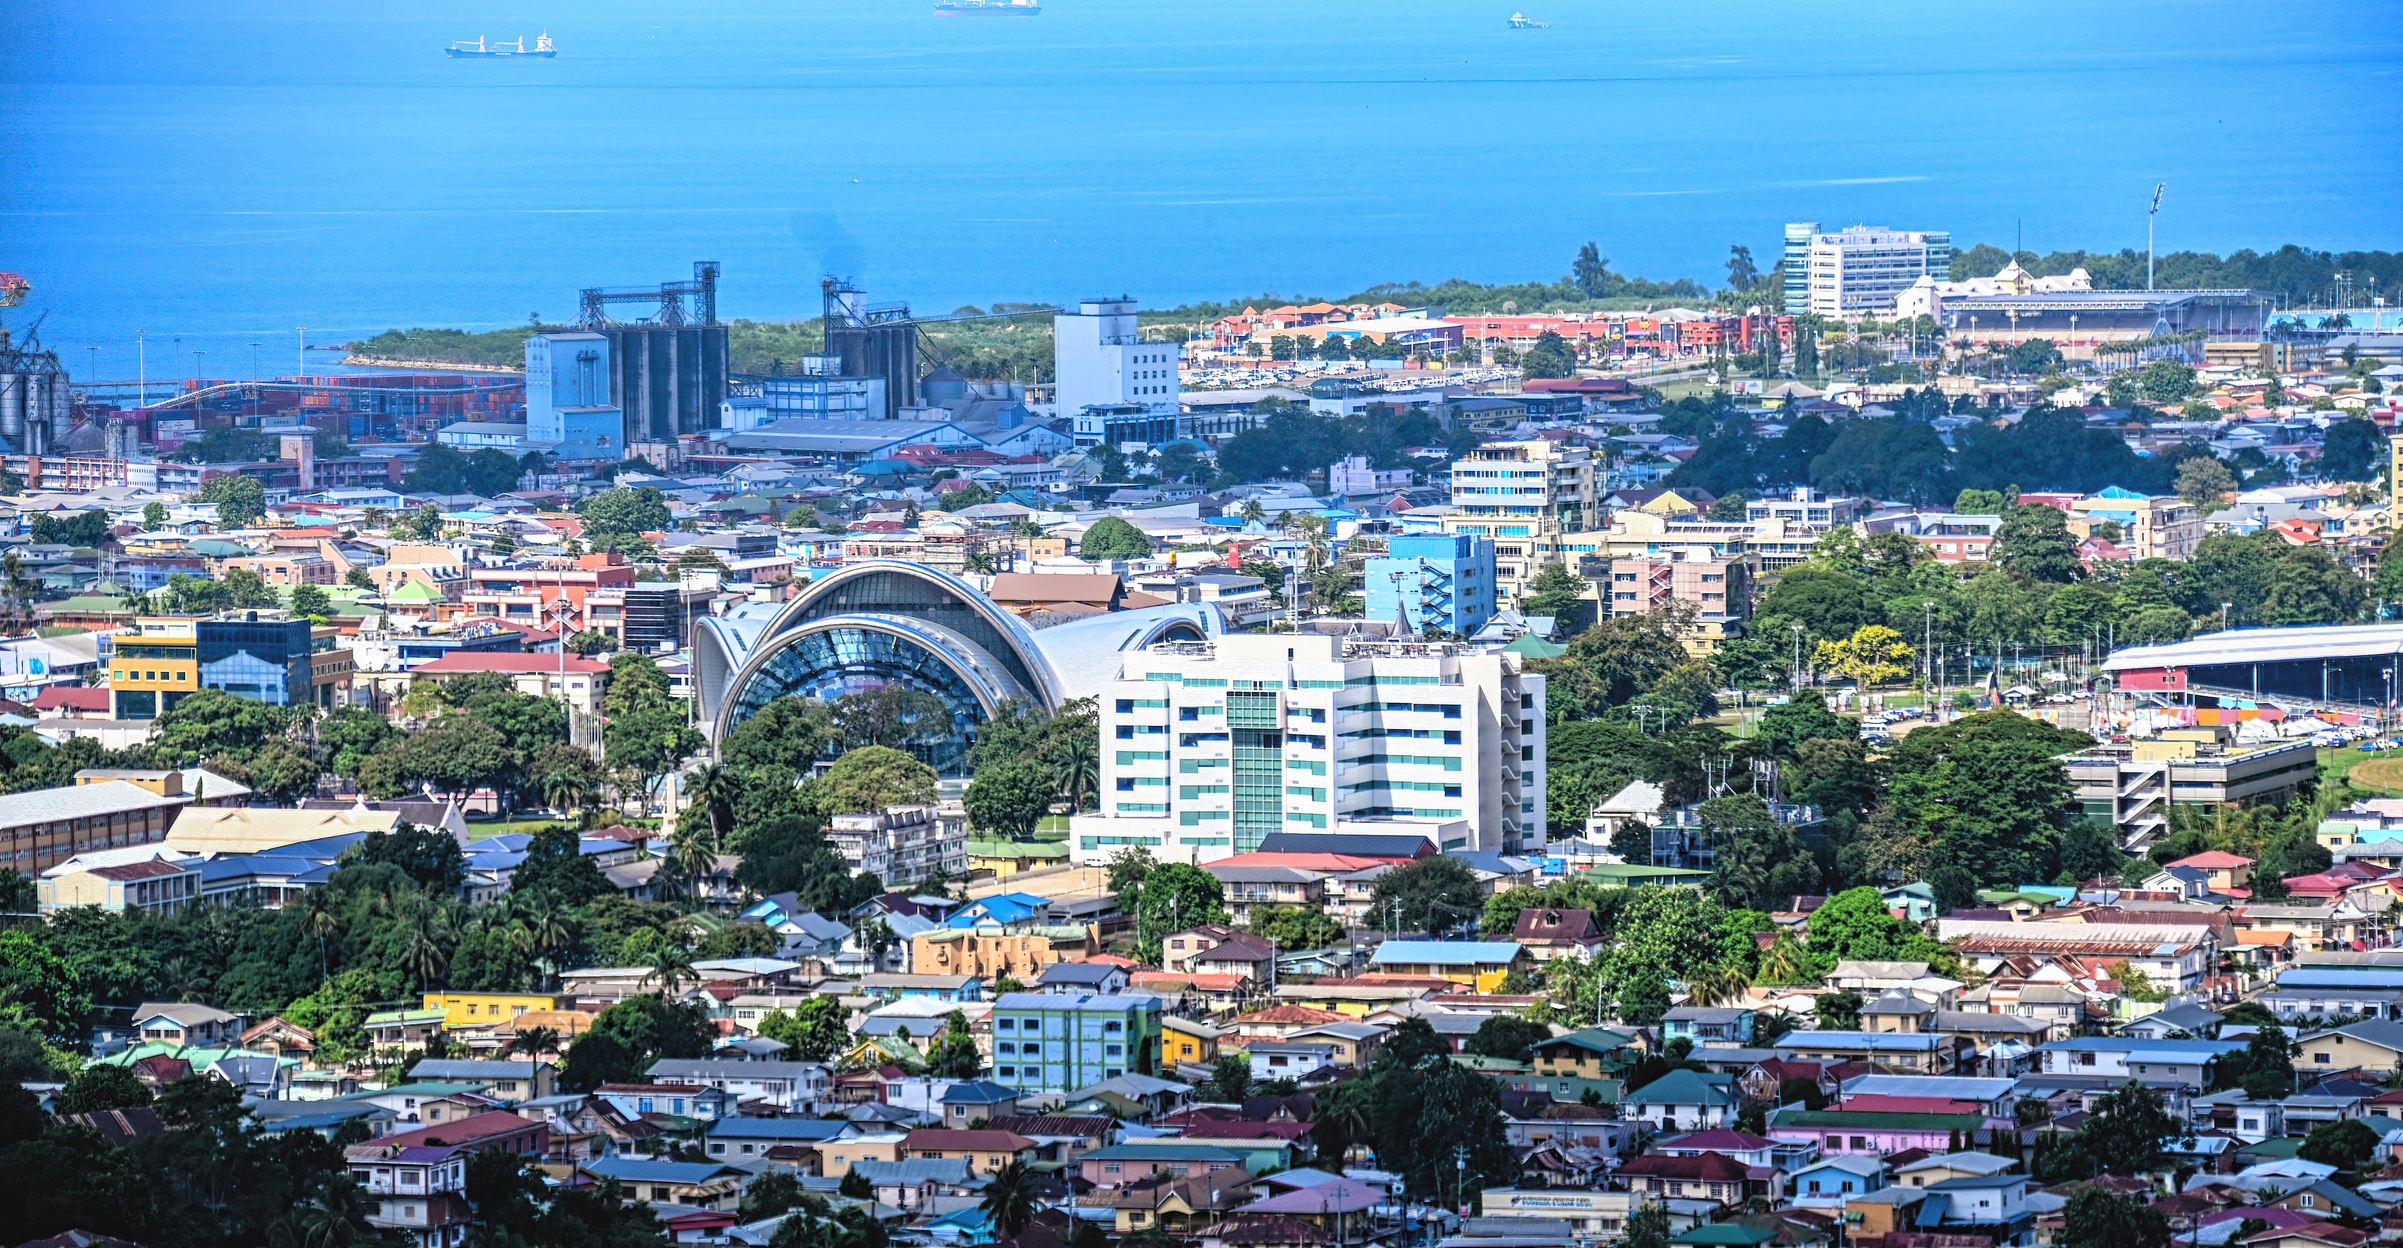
(1207, 747)
(1102, 363)
(1858, 272)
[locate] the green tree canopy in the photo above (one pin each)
(1112, 538)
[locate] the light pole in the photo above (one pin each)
(142, 346)
(196, 378)
(301, 333)
(1794, 674)
(2149, 215)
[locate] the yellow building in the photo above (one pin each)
(264, 656)
(258, 829)
(482, 1009)
(1004, 858)
(1185, 1040)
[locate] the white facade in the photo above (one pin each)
(1863, 270)
(1209, 746)
(901, 843)
(1524, 495)
(1101, 361)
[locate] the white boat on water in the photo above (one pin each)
(1520, 21)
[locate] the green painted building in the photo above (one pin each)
(1061, 1042)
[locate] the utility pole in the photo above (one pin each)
(2149, 215)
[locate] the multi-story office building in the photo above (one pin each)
(1524, 495)
(1857, 272)
(1207, 747)
(2134, 786)
(266, 657)
(1436, 582)
(1805, 508)
(1102, 361)
(1058, 1042)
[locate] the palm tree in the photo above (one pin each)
(1077, 766)
(1718, 984)
(318, 919)
(565, 789)
(696, 860)
(1784, 963)
(426, 944)
(716, 785)
(1252, 512)
(670, 967)
(533, 1042)
(1011, 1197)
(981, 563)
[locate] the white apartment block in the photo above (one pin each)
(902, 843)
(1207, 747)
(1857, 273)
(1101, 361)
(1524, 495)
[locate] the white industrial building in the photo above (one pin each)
(1209, 746)
(1102, 363)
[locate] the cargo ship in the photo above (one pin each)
(988, 8)
(542, 47)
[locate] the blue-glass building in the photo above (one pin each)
(1441, 582)
(878, 623)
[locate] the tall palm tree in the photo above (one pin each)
(546, 928)
(696, 860)
(671, 967)
(716, 785)
(1077, 767)
(1011, 1198)
(1252, 512)
(319, 920)
(426, 940)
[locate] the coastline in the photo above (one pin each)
(428, 366)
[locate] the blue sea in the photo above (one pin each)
(227, 172)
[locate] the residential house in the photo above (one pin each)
(1186, 1205)
(683, 1100)
(699, 1184)
(2160, 1063)
(735, 1140)
(1915, 1053)
(1120, 1164)
(1483, 964)
(1704, 1025)
(1683, 1100)
(2373, 1046)
(1702, 1176)
(964, 1102)
(1216, 949)
(416, 1191)
(788, 1086)
(1187, 1041)
(1547, 933)
(1939, 1167)
(987, 1150)
(1095, 978)
(187, 1025)
(508, 1081)
(1831, 1181)
(914, 1185)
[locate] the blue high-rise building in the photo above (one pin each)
(1440, 582)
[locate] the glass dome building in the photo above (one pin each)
(878, 623)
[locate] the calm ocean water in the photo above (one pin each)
(229, 171)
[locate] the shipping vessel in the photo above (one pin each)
(1520, 21)
(542, 47)
(988, 8)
